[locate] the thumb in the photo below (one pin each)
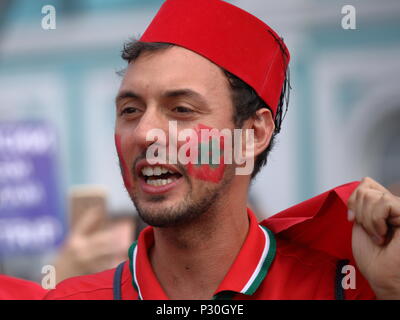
(394, 211)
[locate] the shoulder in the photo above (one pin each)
(19, 289)
(97, 286)
(302, 260)
(301, 255)
(299, 273)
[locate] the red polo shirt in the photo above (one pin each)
(281, 258)
(19, 289)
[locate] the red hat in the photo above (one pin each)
(228, 36)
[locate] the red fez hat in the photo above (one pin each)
(229, 37)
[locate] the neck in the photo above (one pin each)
(191, 260)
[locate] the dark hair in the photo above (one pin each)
(245, 100)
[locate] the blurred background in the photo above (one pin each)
(57, 90)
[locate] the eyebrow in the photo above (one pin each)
(189, 93)
(127, 94)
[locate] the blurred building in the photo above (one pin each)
(343, 121)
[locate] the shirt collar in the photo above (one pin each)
(244, 276)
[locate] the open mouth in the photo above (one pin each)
(158, 176)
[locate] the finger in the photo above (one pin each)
(103, 238)
(355, 200)
(375, 210)
(370, 183)
(355, 206)
(394, 221)
(94, 253)
(100, 254)
(393, 204)
(365, 184)
(377, 214)
(371, 214)
(350, 215)
(350, 204)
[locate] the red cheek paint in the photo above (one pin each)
(207, 171)
(124, 167)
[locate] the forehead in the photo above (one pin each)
(174, 68)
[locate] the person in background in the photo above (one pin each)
(90, 249)
(87, 249)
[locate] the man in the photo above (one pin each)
(204, 65)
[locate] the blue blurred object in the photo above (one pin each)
(30, 208)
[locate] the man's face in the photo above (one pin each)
(179, 85)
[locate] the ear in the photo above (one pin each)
(263, 128)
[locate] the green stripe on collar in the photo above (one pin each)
(266, 263)
(130, 255)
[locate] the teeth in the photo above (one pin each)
(147, 171)
(164, 170)
(159, 182)
(155, 171)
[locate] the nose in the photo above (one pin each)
(151, 128)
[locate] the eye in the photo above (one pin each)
(181, 109)
(129, 110)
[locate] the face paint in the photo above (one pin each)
(124, 167)
(211, 172)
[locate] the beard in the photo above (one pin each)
(194, 204)
(184, 212)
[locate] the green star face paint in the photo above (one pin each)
(208, 164)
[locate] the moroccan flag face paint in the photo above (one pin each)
(203, 167)
(125, 169)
